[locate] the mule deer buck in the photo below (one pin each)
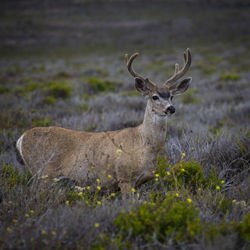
(120, 159)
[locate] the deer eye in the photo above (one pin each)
(155, 97)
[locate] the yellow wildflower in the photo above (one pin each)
(43, 232)
(67, 203)
(133, 190)
(8, 229)
(222, 182)
(14, 220)
(99, 202)
(109, 176)
(189, 200)
(31, 211)
(138, 195)
(183, 170)
(183, 154)
(80, 193)
(177, 195)
(88, 187)
(98, 187)
(113, 194)
(218, 187)
(27, 215)
(53, 233)
(98, 180)
(97, 225)
(156, 175)
(55, 179)
(156, 179)
(192, 148)
(118, 150)
(168, 173)
(92, 167)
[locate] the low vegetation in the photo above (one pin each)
(97, 85)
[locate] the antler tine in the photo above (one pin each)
(180, 73)
(129, 65)
(185, 57)
(176, 67)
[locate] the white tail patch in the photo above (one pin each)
(19, 145)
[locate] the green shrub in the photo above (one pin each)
(243, 149)
(85, 196)
(170, 218)
(59, 89)
(31, 87)
(84, 107)
(188, 174)
(243, 227)
(4, 90)
(13, 118)
(50, 100)
(90, 196)
(98, 85)
(213, 181)
(11, 177)
(214, 230)
(37, 122)
(189, 97)
(226, 205)
(229, 77)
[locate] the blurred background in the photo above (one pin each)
(82, 26)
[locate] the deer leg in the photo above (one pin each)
(125, 188)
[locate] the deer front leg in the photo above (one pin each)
(125, 188)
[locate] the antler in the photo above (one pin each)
(129, 65)
(179, 73)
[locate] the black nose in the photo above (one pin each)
(170, 109)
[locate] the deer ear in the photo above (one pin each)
(181, 87)
(143, 86)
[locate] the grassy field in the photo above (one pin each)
(62, 64)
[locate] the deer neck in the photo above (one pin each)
(153, 129)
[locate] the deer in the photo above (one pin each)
(120, 159)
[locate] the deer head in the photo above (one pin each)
(160, 98)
